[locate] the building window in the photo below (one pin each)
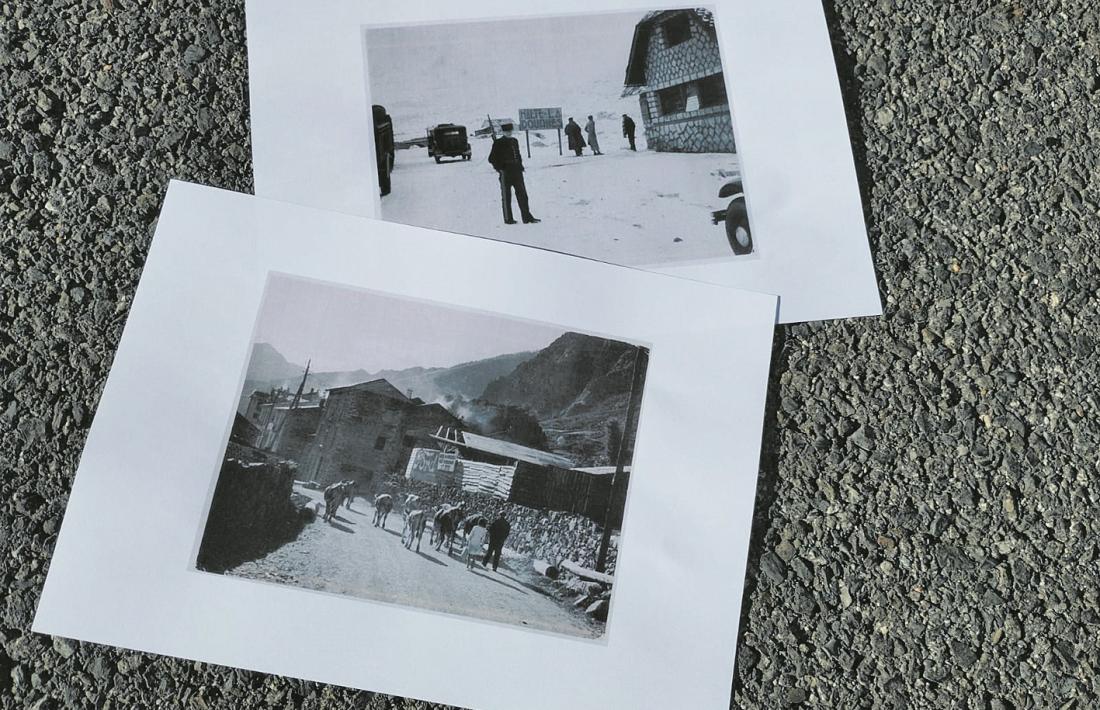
(380, 443)
(712, 91)
(677, 30)
(673, 99)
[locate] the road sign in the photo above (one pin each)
(539, 119)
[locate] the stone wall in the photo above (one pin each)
(707, 130)
(687, 61)
(297, 428)
(538, 534)
(701, 130)
(349, 430)
(251, 514)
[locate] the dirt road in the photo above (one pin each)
(351, 556)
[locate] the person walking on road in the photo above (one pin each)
(628, 130)
(506, 159)
(590, 129)
(573, 132)
(474, 541)
(498, 533)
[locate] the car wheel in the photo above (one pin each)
(384, 177)
(737, 227)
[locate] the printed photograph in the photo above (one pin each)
(608, 136)
(420, 454)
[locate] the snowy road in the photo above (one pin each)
(634, 208)
(355, 558)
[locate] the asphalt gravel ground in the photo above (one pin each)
(927, 517)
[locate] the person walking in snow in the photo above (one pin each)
(506, 159)
(573, 132)
(628, 130)
(590, 129)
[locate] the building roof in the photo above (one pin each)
(380, 386)
(508, 450)
(436, 406)
(600, 470)
(301, 406)
(635, 66)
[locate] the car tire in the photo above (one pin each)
(384, 177)
(737, 227)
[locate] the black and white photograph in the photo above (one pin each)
(419, 454)
(605, 135)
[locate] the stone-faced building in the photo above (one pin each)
(290, 430)
(284, 428)
(368, 430)
(261, 405)
(675, 68)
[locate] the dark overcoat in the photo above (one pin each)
(573, 131)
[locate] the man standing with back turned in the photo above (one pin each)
(508, 162)
(628, 130)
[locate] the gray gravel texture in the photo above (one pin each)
(926, 527)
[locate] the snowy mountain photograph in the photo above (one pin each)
(632, 160)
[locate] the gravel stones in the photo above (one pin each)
(955, 438)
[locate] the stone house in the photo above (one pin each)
(675, 68)
(284, 427)
(367, 430)
(290, 430)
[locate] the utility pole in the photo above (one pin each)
(293, 406)
(618, 479)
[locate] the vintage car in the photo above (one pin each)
(448, 140)
(736, 217)
(383, 146)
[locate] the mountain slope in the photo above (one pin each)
(267, 364)
(268, 368)
(573, 372)
(575, 386)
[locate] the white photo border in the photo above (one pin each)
(312, 142)
(126, 579)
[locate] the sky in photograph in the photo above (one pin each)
(342, 328)
(458, 72)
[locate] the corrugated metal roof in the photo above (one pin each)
(509, 450)
(601, 470)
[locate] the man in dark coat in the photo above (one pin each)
(628, 130)
(573, 132)
(498, 533)
(508, 162)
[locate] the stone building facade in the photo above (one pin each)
(284, 427)
(291, 431)
(675, 68)
(368, 430)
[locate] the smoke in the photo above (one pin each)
(477, 414)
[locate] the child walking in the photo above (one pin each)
(475, 540)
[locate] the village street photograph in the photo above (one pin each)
(420, 454)
(608, 136)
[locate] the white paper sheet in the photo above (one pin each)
(313, 144)
(123, 572)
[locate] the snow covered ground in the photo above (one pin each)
(634, 208)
